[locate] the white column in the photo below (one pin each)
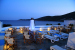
(32, 25)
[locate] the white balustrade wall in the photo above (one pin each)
(71, 40)
(0, 26)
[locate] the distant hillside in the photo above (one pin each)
(69, 16)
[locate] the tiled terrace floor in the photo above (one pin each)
(33, 46)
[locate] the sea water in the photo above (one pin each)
(27, 23)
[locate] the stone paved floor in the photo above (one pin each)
(33, 46)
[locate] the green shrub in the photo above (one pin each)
(59, 24)
(6, 25)
(47, 24)
(71, 25)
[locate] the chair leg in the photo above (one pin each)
(29, 41)
(40, 41)
(24, 40)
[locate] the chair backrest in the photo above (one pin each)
(30, 32)
(27, 28)
(27, 36)
(26, 33)
(10, 41)
(8, 32)
(39, 33)
(7, 35)
(42, 36)
(6, 38)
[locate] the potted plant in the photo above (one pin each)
(6, 25)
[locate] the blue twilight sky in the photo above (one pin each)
(25, 9)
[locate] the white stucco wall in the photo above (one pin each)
(0, 25)
(67, 22)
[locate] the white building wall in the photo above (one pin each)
(67, 22)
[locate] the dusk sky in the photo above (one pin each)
(25, 9)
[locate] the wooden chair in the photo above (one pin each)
(32, 37)
(42, 37)
(24, 28)
(39, 39)
(48, 33)
(12, 42)
(27, 39)
(25, 33)
(39, 34)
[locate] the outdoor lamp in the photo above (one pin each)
(48, 29)
(40, 29)
(55, 28)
